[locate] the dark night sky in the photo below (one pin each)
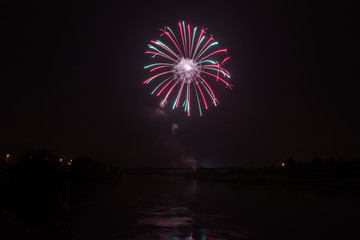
(73, 72)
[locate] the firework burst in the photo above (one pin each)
(186, 68)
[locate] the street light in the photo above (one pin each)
(7, 157)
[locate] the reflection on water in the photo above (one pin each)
(169, 208)
(172, 221)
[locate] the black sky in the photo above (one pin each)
(72, 77)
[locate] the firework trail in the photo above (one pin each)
(186, 68)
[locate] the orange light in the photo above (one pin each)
(283, 164)
(60, 159)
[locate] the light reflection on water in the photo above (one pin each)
(172, 208)
(172, 221)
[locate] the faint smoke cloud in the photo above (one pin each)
(174, 127)
(193, 162)
(157, 112)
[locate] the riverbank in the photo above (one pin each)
(347, 180)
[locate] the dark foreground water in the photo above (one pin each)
(166, 207)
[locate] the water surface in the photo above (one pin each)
(167, 207)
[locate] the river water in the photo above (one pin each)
(170, 208)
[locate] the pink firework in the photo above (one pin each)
(187, 68)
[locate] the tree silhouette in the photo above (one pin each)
(317, 163)
(290, 163)
(35, 191)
